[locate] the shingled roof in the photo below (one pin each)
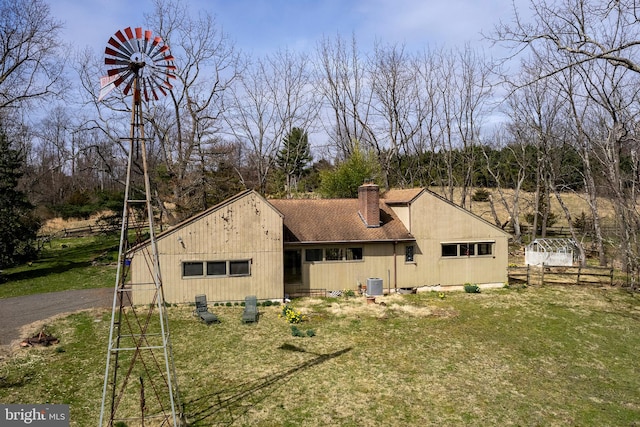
(401, 196)
(336, 220)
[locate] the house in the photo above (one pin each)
(248, 245)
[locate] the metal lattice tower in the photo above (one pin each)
(140, 386)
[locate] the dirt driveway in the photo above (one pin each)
(20, 311)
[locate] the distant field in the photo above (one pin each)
(575, 202)
(538, 356)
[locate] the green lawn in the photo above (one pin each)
(547, 356)
(74, 263)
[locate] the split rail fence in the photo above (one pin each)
(545, 274)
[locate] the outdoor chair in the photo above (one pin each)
(250, 313)
(203, 312)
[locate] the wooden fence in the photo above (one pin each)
(88, 230)
(564, 231)
(539, 275)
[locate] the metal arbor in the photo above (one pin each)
(140, 381)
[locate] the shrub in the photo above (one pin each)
(471, 288)
(311, 333)
(296, 332)
(229, 304)
(480, 195)
(291, 315)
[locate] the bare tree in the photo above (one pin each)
(473, 89)
(275, 95)
(31, 56)
(509, 140)
(341, 81)
(398, 108)
(585, 30)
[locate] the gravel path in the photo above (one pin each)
(20, 311)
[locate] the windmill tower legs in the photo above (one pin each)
(140, 386)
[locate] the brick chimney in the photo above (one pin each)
(369, 204)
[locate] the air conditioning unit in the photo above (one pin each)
(374, 286)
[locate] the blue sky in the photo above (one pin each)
(262, 26)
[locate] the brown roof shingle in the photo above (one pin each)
(397, 195)
(335, 220)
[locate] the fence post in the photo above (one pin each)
(579, 271)
(542, 275)
(528, 275)
(611, 276)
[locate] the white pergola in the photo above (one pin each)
(553, 252)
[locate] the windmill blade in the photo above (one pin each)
(121, 48)
(125, 42)
(134, 53)
(109, 51)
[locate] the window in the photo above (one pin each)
(333, 254)
(354, 254)
(311, 255)
(239, 268)
(192, 269)
(485, 248)
(449, 250)
(408, 253)
(217, 268)
(467, 249)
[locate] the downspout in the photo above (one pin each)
(395, 268)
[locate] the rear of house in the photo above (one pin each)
(248, 245)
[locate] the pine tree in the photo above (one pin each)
(18, 226)
(294, 157)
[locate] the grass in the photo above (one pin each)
(549, 355)
(73, 263)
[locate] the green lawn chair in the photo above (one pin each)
(250, 313)
(203, 312)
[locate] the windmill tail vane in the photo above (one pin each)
(136, 54)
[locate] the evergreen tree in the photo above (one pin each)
(343, 182)
(18, 226)
(294, 157)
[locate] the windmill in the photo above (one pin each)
(140, 382)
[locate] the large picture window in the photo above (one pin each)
(216, 268)
(467, 249)
(333, 254)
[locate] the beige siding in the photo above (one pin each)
(377, 261)
(246, 228)
(433, 222)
